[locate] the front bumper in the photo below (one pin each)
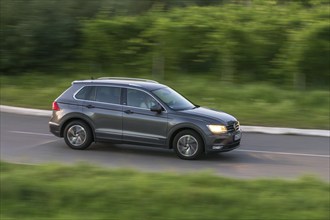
(224, 142)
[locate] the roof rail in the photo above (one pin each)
(127, 78)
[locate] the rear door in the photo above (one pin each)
(140, 125)
(102, 105)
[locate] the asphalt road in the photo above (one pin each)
(26, 139)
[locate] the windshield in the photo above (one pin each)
(173, 99)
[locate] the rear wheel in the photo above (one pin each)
(188, 145)
(78, 135)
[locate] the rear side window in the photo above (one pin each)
(86, 93)
(107, 94)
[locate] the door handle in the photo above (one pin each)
(90, 106)
(128, 112)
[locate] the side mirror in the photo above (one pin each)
(156, 108)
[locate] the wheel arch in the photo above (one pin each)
(77, 117)
(178, 129)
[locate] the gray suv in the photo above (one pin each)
(139, 111)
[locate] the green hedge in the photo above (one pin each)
(284, 45)
(85, 192)
(282, 42)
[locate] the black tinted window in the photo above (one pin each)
(108, 94)
(86, 93)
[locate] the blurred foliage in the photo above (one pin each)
(86, 192)
(282, 42)
(284, 45)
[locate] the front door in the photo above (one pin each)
(140, 124)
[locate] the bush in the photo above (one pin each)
(263, 42)
(281, 42)
(86, 192)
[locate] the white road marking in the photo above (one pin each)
(32, 133)
(285, 153)
(251, 151)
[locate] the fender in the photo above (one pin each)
(182, 126)
(78, 116)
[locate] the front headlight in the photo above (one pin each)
(217, 129)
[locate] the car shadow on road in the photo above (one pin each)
(131, 149)
(58, 150)
(225, 158)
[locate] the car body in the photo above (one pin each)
(141, 112)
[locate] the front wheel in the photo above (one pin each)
(78, 135)
(188, 145)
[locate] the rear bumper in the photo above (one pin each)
(224, 142)
(54, 129)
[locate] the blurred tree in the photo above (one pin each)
(304, 59)
(41, 34)
(115, 43)
(241, 41)
(313, 55)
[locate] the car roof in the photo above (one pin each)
(130, 82)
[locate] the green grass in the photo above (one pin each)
(86, 192)
(252, 104)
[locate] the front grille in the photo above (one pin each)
(233, 126)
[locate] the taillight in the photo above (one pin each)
(55, 106)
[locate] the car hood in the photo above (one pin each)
(211, 115)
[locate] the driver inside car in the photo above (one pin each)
(147, 102)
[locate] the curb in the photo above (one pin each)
(292, 131)
(25, 111)
(248, 129)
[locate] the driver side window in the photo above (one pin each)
(137, 98)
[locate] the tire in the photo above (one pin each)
(188, 145)
(78, 135)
